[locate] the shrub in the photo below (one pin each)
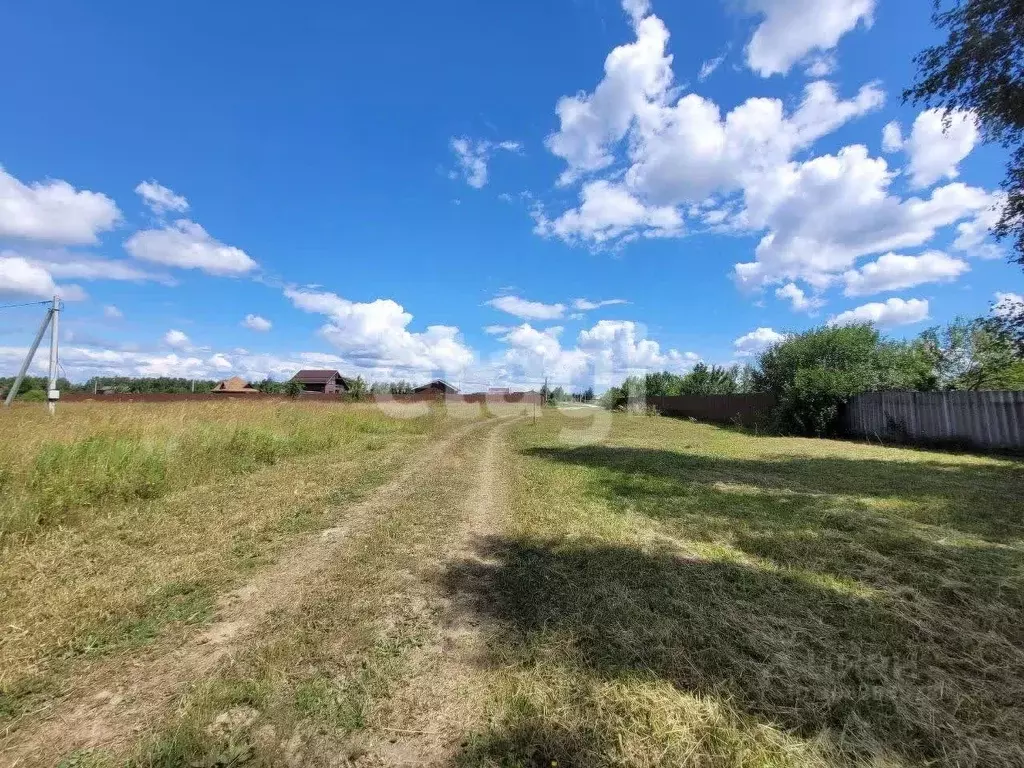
(814, 373)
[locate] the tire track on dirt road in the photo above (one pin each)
(451, 673)
(116, 700)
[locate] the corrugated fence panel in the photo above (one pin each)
(980, 419)
(726, 409)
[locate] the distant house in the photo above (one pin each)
(235, 384)
(328, 382)
(441, 387)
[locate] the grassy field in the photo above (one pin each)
(122, 523)
(345, 587)
(687, 595)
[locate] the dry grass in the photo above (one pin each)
(677, 595)
(682, 595)
(125, 522)
(338, 675)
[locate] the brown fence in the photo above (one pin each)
(745, 410)
(990, 420)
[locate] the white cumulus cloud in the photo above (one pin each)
(798, 299)
(187, 245)
(112, 313)
(893, 272)
(892, 137)
(603, 355)
(53, 211)
(635, 74)
(936, 148)
(609, 212)
(160, 199)
(20, 277)
(177, 339)
(791, 29)
(527, 310)
(25, 278)
(374, 336)
(974, 236)
(823, 214)
(257, 323)
(885, 314)
(757, 341)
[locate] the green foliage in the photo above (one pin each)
(812, 374)
(357, 389)
(293, 389)
(978, 68)
(1007, 319)
(391, 388)
(270, 387)
(974, 355)
(145, 386)
(715, 380)
(33, 384)
(702, 380)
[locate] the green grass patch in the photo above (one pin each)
(177, 603)
(685, 595)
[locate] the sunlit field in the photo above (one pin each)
(271, 584)
(117, 521)
(688, 595)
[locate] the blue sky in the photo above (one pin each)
(405, 190)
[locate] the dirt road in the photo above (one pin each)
(362, 585)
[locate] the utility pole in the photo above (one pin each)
(52, 393)
(50, 315)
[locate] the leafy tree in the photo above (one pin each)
(391, 388)
(703, 380)
(32, 384)
(357, 388)
(979, 68)
(1008, 319)
(292, 388)
(152, 385)
(974, 354)
(270, 387)
(662, 384)
(814, 373)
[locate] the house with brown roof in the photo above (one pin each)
(235, 385)
(438, 386)
(327, 382)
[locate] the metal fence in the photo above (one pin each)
(979, 419)
(746, 410)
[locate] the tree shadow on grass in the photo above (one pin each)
(870, 673)
(984, 500)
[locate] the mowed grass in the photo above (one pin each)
(120, 523)
(684, 595)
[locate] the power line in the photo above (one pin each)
(26, 304)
